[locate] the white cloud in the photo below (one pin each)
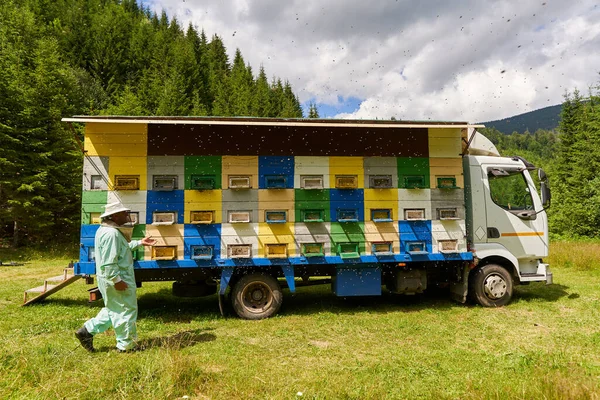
(472, 60)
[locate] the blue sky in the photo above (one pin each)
(342, 105)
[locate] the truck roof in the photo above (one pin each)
(371, 123)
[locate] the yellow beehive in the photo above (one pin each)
(128, 166)
(204, 200)
(165, 235)
(446, 167)
(381, 232)
(239, 166)
(445, 143)
(116, 139)
(278, 200)
(381, 199)
(276, 234)
(346, 167)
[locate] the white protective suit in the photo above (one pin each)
(114, 262)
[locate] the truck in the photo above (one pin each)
(246, 207)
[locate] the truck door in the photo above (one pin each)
(511, 205)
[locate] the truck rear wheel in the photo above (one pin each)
(491, 286)
(256, 296)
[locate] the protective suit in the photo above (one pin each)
(114, 262)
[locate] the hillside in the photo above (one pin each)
(545, 118)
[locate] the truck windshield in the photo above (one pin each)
(510, 191)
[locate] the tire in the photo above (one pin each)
(256, 296)
(491, 286)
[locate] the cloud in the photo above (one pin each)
(472, 60)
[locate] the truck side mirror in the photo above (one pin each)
(542, 175)
(546, 195)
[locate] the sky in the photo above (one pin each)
(443, 60)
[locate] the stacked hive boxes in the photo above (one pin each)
(204, 209)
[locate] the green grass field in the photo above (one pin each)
(544, 345)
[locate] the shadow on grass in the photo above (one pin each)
(49, 301)
(541, 291)
(308, 302)
(162, 306)
(178, 340)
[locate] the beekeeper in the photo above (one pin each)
(116, 281)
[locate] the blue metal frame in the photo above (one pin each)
(347, 215)
(268, 214)
(205, 252)
(275, 181)
(388, 218)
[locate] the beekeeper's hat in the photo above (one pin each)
(113, 208)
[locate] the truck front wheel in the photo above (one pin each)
(491, 286)
(256, 296)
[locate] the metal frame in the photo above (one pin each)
(387, 178)
(157, 213)
(169, 187)
(352, 184)
(196, 220)
(304, 178)
(120, 186)
(246, 178)
(208, 255)
(386, 211)
(202, 178)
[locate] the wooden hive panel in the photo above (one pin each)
(205, 200)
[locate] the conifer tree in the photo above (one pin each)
(241, 85)
(291, 105)
(219, 77)
(576, 191)
(313, 112)
(109, 47)
(277, 98)
(261, 100)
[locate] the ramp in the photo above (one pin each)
(51, 285)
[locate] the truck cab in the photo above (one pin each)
(507, 225)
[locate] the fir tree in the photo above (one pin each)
(241, 85)
(313, 111)
(261, 100)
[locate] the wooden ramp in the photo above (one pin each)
(50, 286)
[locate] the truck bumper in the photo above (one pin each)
(543, 274)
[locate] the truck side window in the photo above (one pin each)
(510, 191)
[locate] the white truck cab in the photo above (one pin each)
(507, 225)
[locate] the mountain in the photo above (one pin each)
(545, 118)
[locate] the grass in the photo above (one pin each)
(545, 344)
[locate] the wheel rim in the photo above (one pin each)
(257, 297)
(494, 286)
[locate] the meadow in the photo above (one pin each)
(543, 345)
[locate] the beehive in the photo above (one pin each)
(333, 191)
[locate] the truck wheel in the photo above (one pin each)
(491, 286)
(256, 296)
